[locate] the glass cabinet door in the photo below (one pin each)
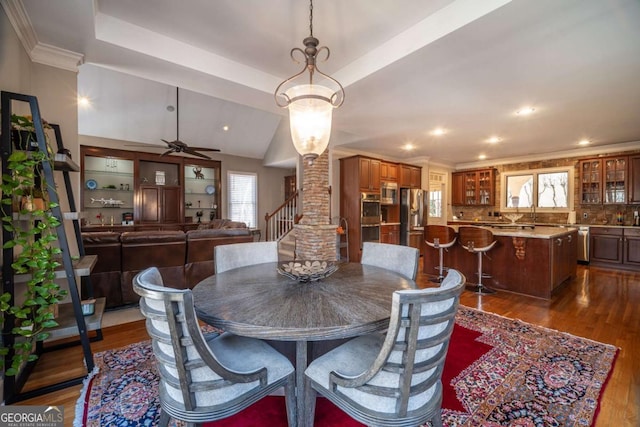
(590, 176)
(470, 188)
(615, 178)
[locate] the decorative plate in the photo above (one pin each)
(210, 189)
(307, 271)
(91, 184)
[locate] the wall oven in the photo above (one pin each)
(369, 233)
(370, 208)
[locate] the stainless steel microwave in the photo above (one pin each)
(389, 193)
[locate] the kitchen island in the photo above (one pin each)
(527, 259)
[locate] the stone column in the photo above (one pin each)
(315, 235)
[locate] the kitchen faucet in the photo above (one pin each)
(533, 212)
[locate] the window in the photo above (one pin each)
(436, 184)
(543, 189)
(243, 197)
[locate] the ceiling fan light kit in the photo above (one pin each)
(310, 104)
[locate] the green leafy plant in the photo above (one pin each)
(33, 242)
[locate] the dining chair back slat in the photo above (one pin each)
(400, 259)
(236, 255)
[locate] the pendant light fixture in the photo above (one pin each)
(310, 104)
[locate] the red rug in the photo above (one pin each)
(499, 372)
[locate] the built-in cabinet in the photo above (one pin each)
(126, 188)
(634, 179)
(604, 181)
(473, 188)
(360, 174)
(388, 172)
(369, 174)
(615, 246)
(410, 176)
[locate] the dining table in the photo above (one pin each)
(258, 301)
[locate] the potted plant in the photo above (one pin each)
(35, 253)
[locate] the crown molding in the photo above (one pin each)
(38, 52)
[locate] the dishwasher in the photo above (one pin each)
(583, 245)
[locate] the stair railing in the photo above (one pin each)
(281, 221)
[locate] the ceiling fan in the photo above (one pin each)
(177, 146)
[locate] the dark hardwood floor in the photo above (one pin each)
(599, 304)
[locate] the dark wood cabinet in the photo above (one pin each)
(634, 179)
(615, 247)
(410, 176)
(160, 204)
(390, 234)
(563, 263)
(388, 171)
(631, 255)
(473, 188)
(605, 245)
(604, 181)
(162, 192)
(369, 174)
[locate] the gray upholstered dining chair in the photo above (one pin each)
(236, 255)
(392, 379)
(202, 378)
(401, 259)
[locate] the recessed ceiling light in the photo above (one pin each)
(408, 146)
(584, 142)
(83, 101)
(171, 108)
(482, 156)
(438, 131)
(494, 139)
(525, 111)
(225, 128)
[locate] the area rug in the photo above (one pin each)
(499, 372)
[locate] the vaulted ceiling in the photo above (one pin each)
(408, 67)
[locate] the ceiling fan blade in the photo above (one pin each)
(195, 153)
(167, 152)
(217, 150)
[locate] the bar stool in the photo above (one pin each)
(477, 240)
(439, 237)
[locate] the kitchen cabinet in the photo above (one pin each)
(410, 176)
(473, 187)
(604, 181)
(605, 245)
(634, 179)
(631, 254)
(388, 171)
(369, 174)
(416, 240)
(617, 247)
(390, 234)
(563, 264)
(159, 205)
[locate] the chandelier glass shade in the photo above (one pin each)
(310, 104)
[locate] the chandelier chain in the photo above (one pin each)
(311, 17)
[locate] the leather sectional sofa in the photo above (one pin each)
(184, 259)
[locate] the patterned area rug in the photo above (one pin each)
(499, 372)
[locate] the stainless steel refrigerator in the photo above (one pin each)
(413, 215)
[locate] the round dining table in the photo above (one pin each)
(257, 301)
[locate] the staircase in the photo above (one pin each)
(287, 247)
(279, 227)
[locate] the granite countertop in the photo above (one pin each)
(537, 224)
(537, 232)
(389, 223)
